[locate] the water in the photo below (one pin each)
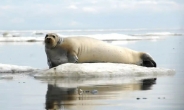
(25, 92)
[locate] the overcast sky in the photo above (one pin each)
(91, 14)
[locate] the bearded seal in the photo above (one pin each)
(89, 50)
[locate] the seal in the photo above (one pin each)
(89, 50)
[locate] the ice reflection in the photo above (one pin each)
(76, 94)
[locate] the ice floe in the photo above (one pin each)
(85, 70)
(7, 68)
(96, 70)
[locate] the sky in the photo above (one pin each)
(91, 14)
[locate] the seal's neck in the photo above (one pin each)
(60, 41)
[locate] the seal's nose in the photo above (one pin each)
(48, 40)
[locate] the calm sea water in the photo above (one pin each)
(27, 93)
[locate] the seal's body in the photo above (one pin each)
(89, 50)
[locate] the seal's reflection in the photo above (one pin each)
(59, 97)
(56, 95)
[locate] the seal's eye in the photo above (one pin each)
(53, 36)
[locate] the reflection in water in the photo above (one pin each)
(62, 97)
(56, 95)
(147, 83)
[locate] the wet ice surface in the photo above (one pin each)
(140, 93)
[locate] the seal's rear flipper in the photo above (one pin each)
(149, 64)
(147, 60)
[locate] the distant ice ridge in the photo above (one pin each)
(105, 37)
(102, 34)
(159, 34)
(21, 39)
(7, 68)
(119, 37)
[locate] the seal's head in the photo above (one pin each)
(147, 60)
(52, 40)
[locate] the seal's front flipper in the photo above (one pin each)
(49, 63)
(72, 58)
